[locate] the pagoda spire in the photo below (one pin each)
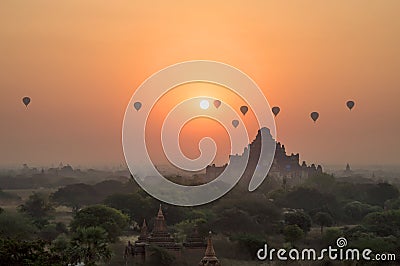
(143, 231)
(160, 213)
(159, 223)
(210, 252)
(144, 223)
(210, 257)
(160, 236)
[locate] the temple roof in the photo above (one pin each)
(143, 231)
(160, 213)
(159, 223)
(210, 257)
(210, 252)
(194, 240)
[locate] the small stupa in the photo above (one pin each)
(210, 258)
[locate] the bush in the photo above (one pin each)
(383, 223)
(16, 225)
(331, 235)
(110, 219)
(300, 219)
(250, 243)
(293, 233)
(160, 257)
(356, 211)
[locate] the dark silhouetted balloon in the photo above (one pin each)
(235, 123)
(217, 103)
(26, 101)
(350, 104)
(276, 110)
(137, 105)
(314, 116)
(244, 109)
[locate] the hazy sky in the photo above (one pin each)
(80, 62)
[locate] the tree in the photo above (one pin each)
(111, 220)
(133, 204)
(75, 196)
(322, 182)
(300, 219)
(250, 243)
(21, 252)
(293, 233)
(235, 220)
(38, 207)
(160, 257)
(331, 235)
(89, 245)
(378, 194)
(308, 199)
(108, 187)
(51, 231)
(61, 246)
(16, 225)
(376, 243)
(323, 219)
(356, 210)
(383, 223)
(393, 204)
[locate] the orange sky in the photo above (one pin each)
(198, 128)
(81, 61)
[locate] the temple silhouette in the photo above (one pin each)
(210, 258)
(284, 167)
(194, 247)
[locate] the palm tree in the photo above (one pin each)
(89, 245)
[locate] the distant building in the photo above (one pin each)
(284, 167)
(348, 170)
(194, 245)
(210, 258)
(194, 241)
(161, 237)
(138, 250)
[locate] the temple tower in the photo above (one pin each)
(139, 248)
(143, 232)
(161, 237)
(194, 240)
(210, 258)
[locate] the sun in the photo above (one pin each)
(204, 104)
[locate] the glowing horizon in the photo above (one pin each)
(81, 62)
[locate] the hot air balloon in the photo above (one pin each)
(350, 104)
(244, 109)
(137, 105)
(217, 103)
(314, 116)
(235, 123)
(26, 101)
(276, 110)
